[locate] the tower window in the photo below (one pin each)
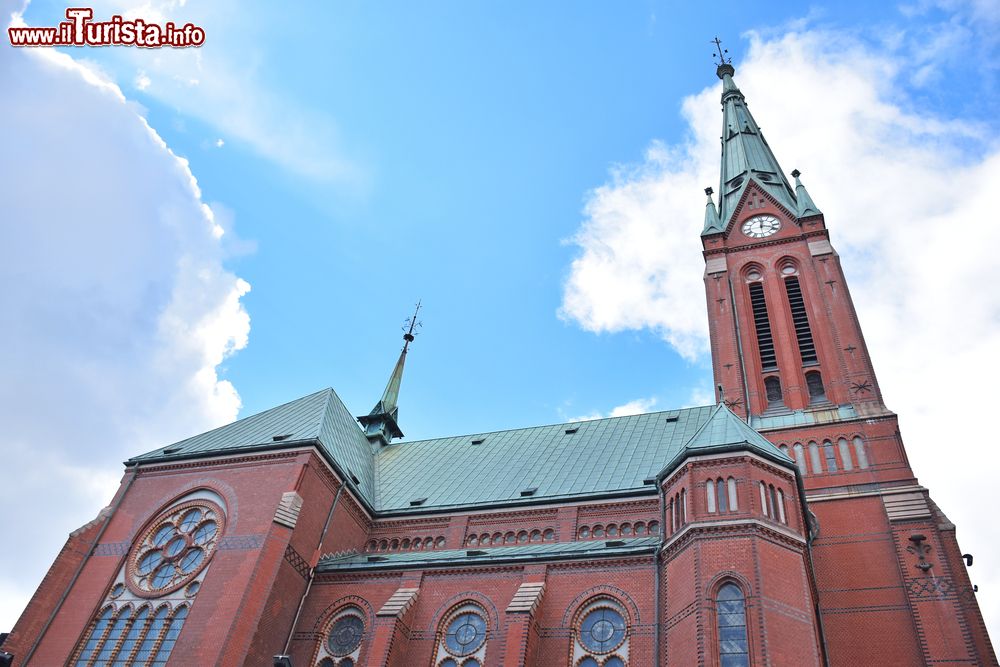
(800, 457)
(772, 390)
(720, 488)
(814, 382)
(807, 348)
(859, 451)
(831, 456)
(762, 325)
(710, 492)
(814, 459)
(732, 619)
(845, 454)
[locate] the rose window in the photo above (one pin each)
(175, 548)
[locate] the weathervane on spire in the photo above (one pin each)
(721, 55)
(408, 326)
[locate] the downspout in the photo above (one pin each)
(656, 574)
(739, 348)
(312, 570)
(79, 569)
(812, 579)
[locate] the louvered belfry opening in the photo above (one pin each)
(765, 342)
(807, 348)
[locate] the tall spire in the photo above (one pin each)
(746, 156)
(381, 424)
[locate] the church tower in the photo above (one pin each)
(789, 356)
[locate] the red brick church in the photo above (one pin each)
(782, 526)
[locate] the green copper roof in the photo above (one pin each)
(589, 549)
(746, 156)
(601, 457)
(317, 417)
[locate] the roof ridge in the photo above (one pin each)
(530, 428)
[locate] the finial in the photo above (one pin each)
(796, 173)
(709, 191)
(409, 325)
(723, 58)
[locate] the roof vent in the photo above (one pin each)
(571, 431)
(279, 438)
(417, 501)
(672, 419)
(529, 491)
(377, 559)
(614, 543)
(171, 450)
(649, 480)
(354, 478)
(478, 441)
(475, 552)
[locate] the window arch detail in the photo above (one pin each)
(147, 603)
(731, 625)
(601, 634)
(341, 641)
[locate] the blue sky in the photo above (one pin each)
(532, 172)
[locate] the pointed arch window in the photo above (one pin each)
(710, 494)
(800, 457)
(831, 456)
(814, 383)
(734, 504)
(721, 495)
(781, 507)
(859, 451)
(845, 454)
(803, 334)
(762, 327)
(814, 459)
(732, 626)
(772, 390)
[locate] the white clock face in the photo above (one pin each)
(760, 226)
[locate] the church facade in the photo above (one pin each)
(781, 526)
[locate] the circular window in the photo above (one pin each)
(602, 630)
(466, 633)
(345, 635)
(175, 549)
(788, 269)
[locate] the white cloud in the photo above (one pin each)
(142, 80)
(637, 406)
(911, 210)
(117, 307)
(219, 143)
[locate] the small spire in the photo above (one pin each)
(381, 424)
(711, 214)
(802, 198)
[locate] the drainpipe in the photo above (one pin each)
(656, 575)
(312, 571)
(809, 540)
(79, 569)
(739, 348)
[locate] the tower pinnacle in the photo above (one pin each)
(381, 424)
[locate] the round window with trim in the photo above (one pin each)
(345, 635)
(466, 632)
(602, 630)
(174, 548)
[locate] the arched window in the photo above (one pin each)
(732, 623)
(845, 454)
(859, 451)
(684, 506)
(800, 457)
(720, 495)
(814, 459)
(781, 507)
(710, 494)
(807, 348)
(772, 389)
(167, 561)
(601, 634)
(670, 511)
(831, 456)
(762, 326)
(814, 383)
(763, 499)
(341, 646)
(463, 635)
(773, 502)
(731, 488)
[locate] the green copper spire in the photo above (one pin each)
(746, 156)
(806, 205)
(711, 214)
(381, 424)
